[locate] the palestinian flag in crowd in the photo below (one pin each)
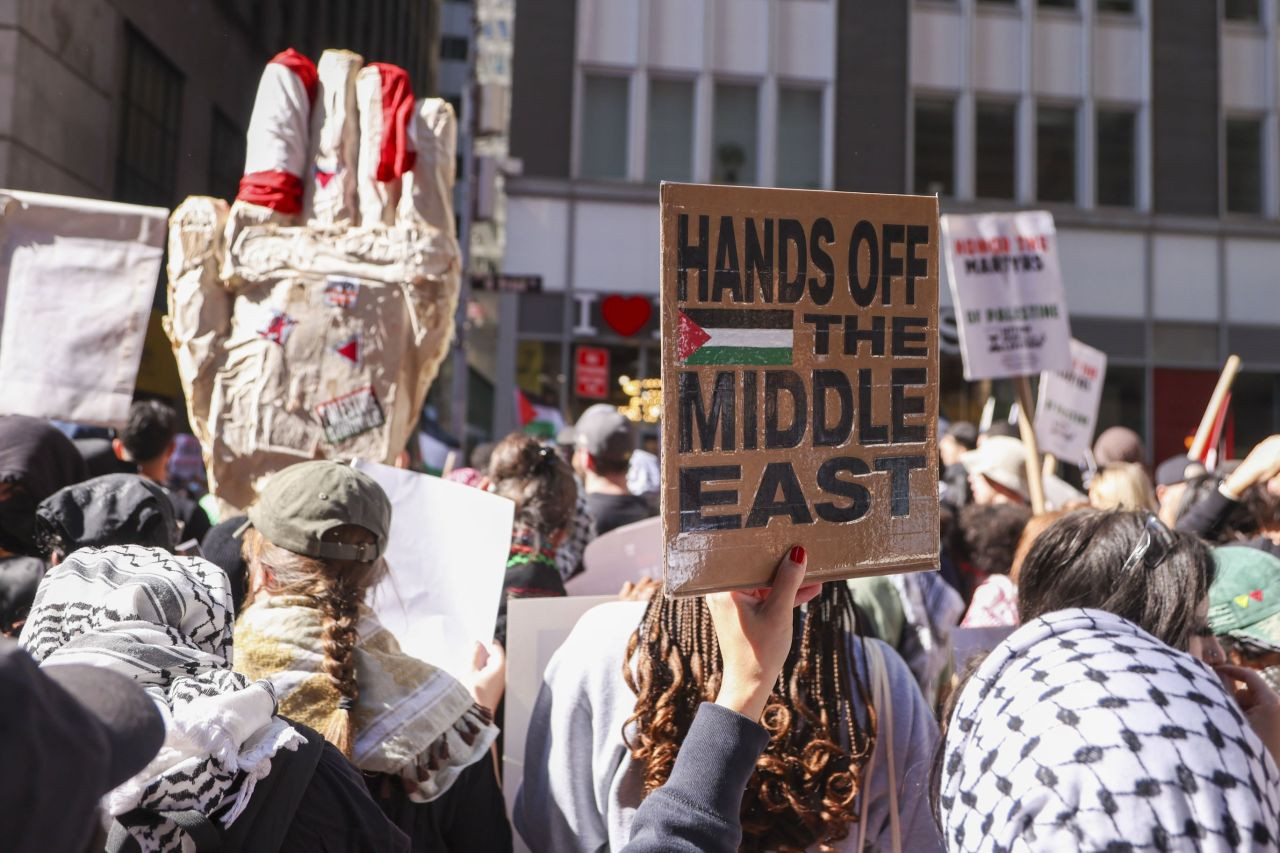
(734, 336)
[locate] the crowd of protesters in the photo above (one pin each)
(176, 681)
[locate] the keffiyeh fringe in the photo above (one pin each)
(411, 719)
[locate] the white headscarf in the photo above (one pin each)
(1083, 732)
(164, 621)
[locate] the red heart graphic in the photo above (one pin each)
(626, 315)
(1256, 595)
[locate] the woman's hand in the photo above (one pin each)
(641, 590)
(754, 630)
(1259, 702)
(488, 675)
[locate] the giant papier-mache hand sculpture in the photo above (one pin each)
(309, 317)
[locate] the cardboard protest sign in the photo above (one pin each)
(1067, 412)
(1007, 288)
(446, 558)
(77, 279)
(800, 383)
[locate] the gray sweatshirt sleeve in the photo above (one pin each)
(699, 808)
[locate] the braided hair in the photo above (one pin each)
(336, 588)
(805, 784)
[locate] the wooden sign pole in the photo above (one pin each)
(1026, 426)
(1225, 379)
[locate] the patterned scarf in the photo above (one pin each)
(1083, 732)
(164, 622)
(411, 719)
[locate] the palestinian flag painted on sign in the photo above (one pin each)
(734, 336)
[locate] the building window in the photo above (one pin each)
(935, 132)
(1057, 4)
(1116, 7)
(799, 138)
(603, 135)
(453, 47)
(1117, 157)
(734, 134)
(1241, 10)
(669, 132)
(1244, 165)
(226, 156)
(146, 168)
(1056, 154)
(996, 149)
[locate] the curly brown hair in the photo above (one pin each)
(336, 588)
(539, 482)
(805, 784)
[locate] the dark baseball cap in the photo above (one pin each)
(965, 433)
(303, 502)
(605, 433)
(69, 733)
(108, 708)
(1178, 469)
(114, 509)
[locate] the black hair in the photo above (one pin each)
(1240, 520)
(1079, 560)
(151, 428)
(990, 534)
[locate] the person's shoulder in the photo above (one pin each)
(613, 618)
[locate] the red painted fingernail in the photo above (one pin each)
(797, 555)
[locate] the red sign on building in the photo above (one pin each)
(591, 373)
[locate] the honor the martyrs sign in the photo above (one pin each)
(800, 383)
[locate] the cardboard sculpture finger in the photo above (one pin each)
(330, 194)
(298, 342)
(800, 384)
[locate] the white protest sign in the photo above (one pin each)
(626, 553)
(536, 627)
(77, 279)
(447, 555)
(1007, 288)
(1067, 411)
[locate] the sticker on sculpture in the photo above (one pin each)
(278, 328)
(341, 292)
(345, 417)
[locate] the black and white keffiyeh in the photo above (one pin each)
(1083, 732)
(164, 621)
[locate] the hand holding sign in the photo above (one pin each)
(754, 633)
(799, 383)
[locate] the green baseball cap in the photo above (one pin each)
(1244, 600)
(301, 503)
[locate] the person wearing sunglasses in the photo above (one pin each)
(1096, 725)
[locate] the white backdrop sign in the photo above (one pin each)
(1007, 288)
(1067, 412)
(536, 627)
(446, 557)
(77, 280)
